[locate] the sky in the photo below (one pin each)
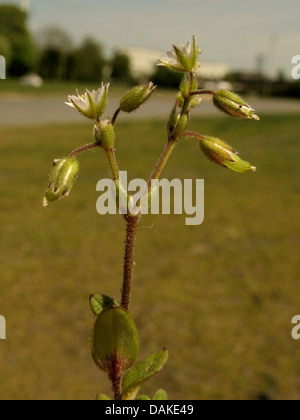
(234, 32)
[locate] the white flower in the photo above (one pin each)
(183, 58)
(90, 104)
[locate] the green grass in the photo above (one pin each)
(220, 296)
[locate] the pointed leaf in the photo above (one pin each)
(102, 397)
(143, 397)
(131, 394)
(143, 370)
(160, 395)
(115, 342)
(100, 302)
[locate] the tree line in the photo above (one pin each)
(52, 54)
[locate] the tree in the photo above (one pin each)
(55, 46)
(13, 27)
(54, 37)
(120, 68)
(52, 64)
(5, 48)
(88, 62)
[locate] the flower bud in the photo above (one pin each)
(185, 87)
(62, 179)
(136, 97)
(181, 125)
(233, 105)
(104, 134)
(173, 120)
(222, 154)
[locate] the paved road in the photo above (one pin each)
(21, 110)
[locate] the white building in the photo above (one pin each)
(25, 5)
(142, 60)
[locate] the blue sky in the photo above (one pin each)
(230, 31)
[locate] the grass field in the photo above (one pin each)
(220, 296)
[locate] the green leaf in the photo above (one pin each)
(102, 397)
(115, 342)
(142, 371)
(131, 394)
(100, 302)
(160, 395)
(143, 397)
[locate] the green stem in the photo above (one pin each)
(168, 150)
(110, 153)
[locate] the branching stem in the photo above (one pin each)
(203, 92)
(84, 148)
(114, 118)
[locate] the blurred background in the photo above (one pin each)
(220, 296)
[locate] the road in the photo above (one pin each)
(22, 110)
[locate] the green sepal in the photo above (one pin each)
(99, 303)
(142, 371)
(183, 60)
(216, 150)
(185, 86)
(181, 125)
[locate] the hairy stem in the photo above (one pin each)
(84, 148)
(194, 135)
(116, 386)
(116, 114)
(131, 230)
(170, 146)
(110, 153)
(203, 92)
